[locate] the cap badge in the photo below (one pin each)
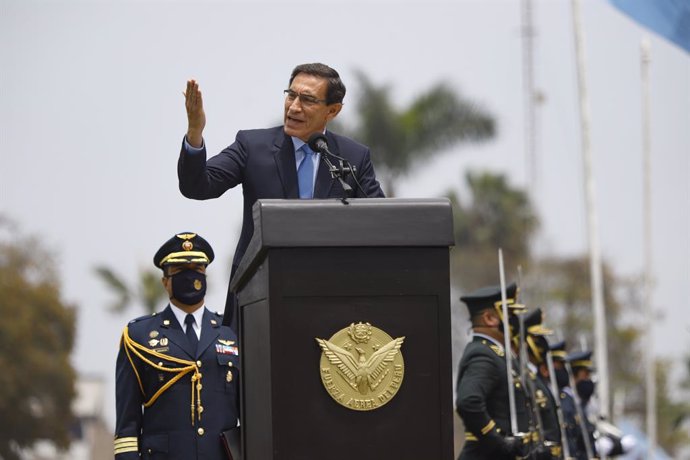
(187, 246)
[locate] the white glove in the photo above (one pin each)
(604, 445)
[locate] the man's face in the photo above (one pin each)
(306, 111)
(582, 374)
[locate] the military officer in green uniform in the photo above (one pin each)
(177, 371)
(482, 387)
(543, 399)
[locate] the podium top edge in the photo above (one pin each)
(356, 202)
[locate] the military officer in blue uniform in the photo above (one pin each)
(604, 438)
(581, 365)
(482, 387)
(571, 426)
(177, 370)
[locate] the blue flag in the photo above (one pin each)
(668, 18)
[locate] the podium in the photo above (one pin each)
(322, 269)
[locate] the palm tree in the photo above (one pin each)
(401, 139)
(148, 292)
(495, 215)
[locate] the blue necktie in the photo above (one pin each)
(305, 174)
(191, 335)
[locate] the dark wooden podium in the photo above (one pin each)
(313, 268)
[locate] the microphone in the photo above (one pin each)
(319, 143)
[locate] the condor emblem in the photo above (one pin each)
(361, 366)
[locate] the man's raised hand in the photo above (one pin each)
(196, 118)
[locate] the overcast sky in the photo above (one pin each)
(92, 116)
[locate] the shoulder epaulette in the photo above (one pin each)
(496, 349)
(150, 315)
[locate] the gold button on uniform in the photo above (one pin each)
(200, 431)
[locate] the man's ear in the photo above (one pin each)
(333, 110)
(490, 318)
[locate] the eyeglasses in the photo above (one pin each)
(305, 99)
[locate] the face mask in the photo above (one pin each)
(562, 378)
(585, 388)
(188, 287)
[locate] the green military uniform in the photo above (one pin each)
(542, 397)
(546, 404)
(483, 400)
(482, 390)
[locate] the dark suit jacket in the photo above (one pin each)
(263, 161)
(165, 429)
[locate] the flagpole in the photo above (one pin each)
(529, 97)
(650, 371)
(595, 265)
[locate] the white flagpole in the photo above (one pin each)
(529, 97)
(595, 265)
(650, 371)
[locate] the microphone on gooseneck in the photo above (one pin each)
(318, 143)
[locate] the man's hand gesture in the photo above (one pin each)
(196, 118)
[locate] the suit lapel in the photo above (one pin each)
(173, 331)
(209, 332)
(284, 156)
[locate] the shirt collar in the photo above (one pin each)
(490, 339)
(180, 314)
(298, 143)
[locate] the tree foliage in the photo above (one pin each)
(148, 291)
(495, 215)
(672, 432)
(37, 382)
(562, 287)
(402, 138)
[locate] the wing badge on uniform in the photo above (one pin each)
(498, 350)
(361, 367)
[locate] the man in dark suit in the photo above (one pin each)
(273, 163)
(482, 389)
(177, 371)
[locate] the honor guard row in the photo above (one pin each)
(520, 402)
(177, 371)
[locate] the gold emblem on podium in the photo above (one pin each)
(361, 366)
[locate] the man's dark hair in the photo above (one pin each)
(474, 319)
(335, 92)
